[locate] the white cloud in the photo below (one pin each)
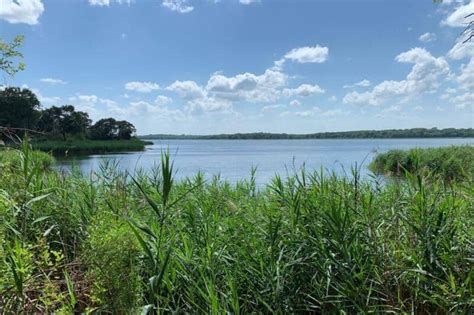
(106, 3)
(180, 6)
(21, 11)
(295, 103)
(142, 87)
(187, 89)
(461, 50)
(427, 37)
(247, 86)
(99, 2)
(316, 111)
(46, 100)
(464, 101)
(363, 83)
(52, 81)
(248, 1)
(466, 77)
(270, 108)
(457, 18)
(424, 77)
(304, 90)
(316, 54)
(162, 100)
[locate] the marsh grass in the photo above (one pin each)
(78, 147)
(310, 242)
(450, 163)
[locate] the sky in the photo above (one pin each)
(208, 66)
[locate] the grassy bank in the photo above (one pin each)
(313, 242)
(452, 163)
(77, 147)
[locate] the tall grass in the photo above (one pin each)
(311, 242)
(76, 146)
(451, 163)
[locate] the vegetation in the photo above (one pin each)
(9, 53)
(62, 130)
(77, 147)
(361, 134)
(19, 109)
(313, 242)
(451, 163)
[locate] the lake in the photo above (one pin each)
(234, 159)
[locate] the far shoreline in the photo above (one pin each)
(414, 133)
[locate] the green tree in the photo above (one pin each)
(8, 53)
(109, 128)
(125, 130)
(64, 120)
(18, 108)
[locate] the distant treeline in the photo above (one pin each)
(359, 134)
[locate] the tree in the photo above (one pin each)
(8, 52)
(125, 130)
(18, 108)
(64, 120)
(109, 128)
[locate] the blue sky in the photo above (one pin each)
(206, 66)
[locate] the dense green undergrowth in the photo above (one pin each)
(74, 147)
(451, 163)
(313, 242)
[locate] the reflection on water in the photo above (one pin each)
(234, 159)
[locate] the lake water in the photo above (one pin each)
(234, 159)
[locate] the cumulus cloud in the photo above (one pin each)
(180, 6)
(423, 77)
(198, 99)
(458, 17)
(427, 37)
(363, 83)
(315, 54)
(461, 50)
(161, 100)
(52, 81)
(466, 76)
(304, 90)
(21, 11)
(187, 89)
(247, 86)
(142, 87)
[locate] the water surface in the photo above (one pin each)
(234, 159)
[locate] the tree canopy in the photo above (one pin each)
(19, 108)
(109, 129)
(64, 120)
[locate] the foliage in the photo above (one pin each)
(18, 108)
(8, 52)
(14, 157)
(110, 129)
(77, 147)
(359, 134)
(312, 242)
(64, 120)
(452, 163)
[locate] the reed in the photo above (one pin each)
(310, 242)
